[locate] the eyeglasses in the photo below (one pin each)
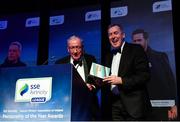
(75, 47)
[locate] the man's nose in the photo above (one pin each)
(75, 50)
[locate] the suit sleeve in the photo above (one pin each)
(138, 71)
(93, 80)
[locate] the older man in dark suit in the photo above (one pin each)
(82, 63)
(126, 89)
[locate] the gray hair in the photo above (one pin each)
(18, 44)
(74, 37)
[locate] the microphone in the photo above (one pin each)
(51, 59)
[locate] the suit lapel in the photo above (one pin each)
(85, 68)
(109, 58)
(124, 59)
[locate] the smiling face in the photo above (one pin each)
(75, 48)
(116, 36)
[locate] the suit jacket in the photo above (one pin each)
(8, 63)
(162, 84)
(87, 60)
(135, 74)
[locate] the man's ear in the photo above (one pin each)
(68, 49)
(124, 35)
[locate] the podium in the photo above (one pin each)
(43, 93)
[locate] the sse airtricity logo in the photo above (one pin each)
(35, 90)
(24, 89)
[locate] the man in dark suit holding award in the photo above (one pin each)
(126, 86)
(162, 87)
(82, 63)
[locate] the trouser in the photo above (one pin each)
(119, 112)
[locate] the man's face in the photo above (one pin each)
(13, 53)
(75, 48)
(116, 36)
(139, 39)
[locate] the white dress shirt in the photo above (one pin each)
(115, 68)
(80, 69)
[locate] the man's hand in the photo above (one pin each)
(172, 113)
(90, 86)
(114, 80)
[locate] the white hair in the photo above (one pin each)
(74, 38)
